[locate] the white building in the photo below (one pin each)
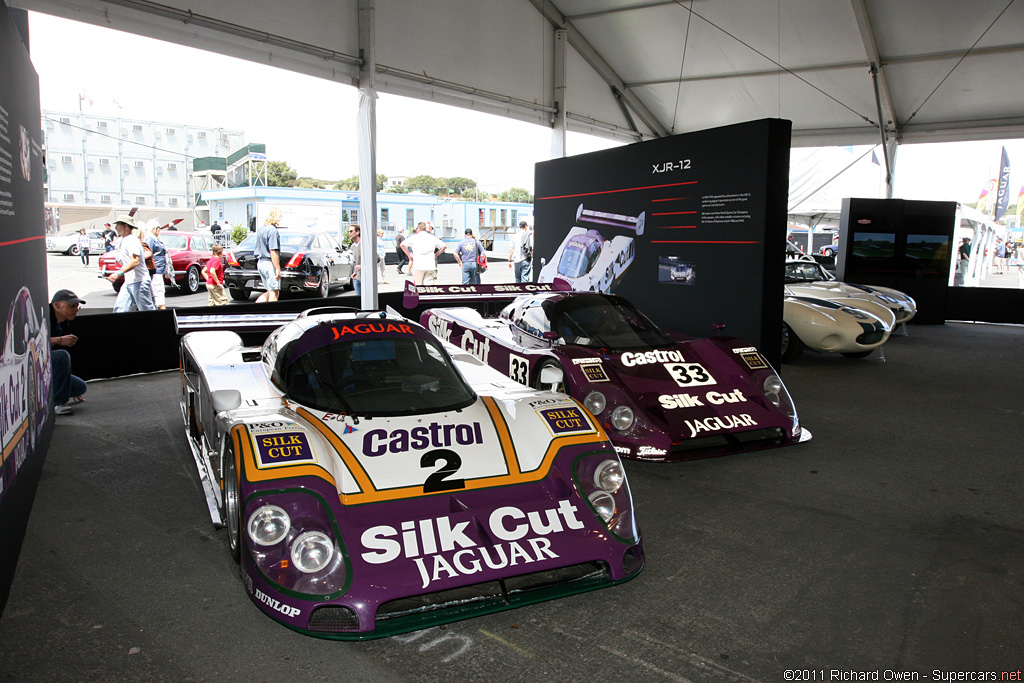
(127, 162)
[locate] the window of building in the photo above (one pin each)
(69, 197)
(172, 201)
(514, 221)
(355, 215)
(101, 124)
(481, 218)
(140, 200)
(494, 215)
(104, 162)
(104, 199)
(172, 166)
(66, 159)
(410, 218)
(137, 127)
(65, 120)
(383, 217)
(139, 164)
(201, 134)
(504, 215)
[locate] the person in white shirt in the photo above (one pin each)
(423, 248)
(135, 293)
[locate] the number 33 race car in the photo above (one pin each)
(373, 481)
(660, 395)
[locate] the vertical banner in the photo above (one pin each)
(25, 422)
(1003, 191)
(690, 228)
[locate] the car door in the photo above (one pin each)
(332, 255)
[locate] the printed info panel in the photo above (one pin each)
(691, 228)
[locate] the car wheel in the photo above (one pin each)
(325, 284)
(73, 250)
(830, 252)
(117, 285)
(192, 280)
(792, 347)
(240, 293)
(858, 354)
(559, 386)
(232, 505)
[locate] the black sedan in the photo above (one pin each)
(310, 262)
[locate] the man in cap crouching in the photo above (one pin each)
(66, 387)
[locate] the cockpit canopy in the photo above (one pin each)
(364, 366)
(586, 319)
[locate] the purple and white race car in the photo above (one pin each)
(374, 480)
(659, 395)
(588, 262)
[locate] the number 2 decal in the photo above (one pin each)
(519, 369)
(689, 374)
(438, 481)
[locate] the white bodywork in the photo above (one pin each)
(616, 255)
(820, 284)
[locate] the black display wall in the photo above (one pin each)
(26, 418)
(691, 228)
(899, 243)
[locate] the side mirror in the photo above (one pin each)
(226, 399)
(550, 375)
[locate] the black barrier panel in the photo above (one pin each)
(691, 228)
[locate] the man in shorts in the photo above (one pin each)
(268, 255)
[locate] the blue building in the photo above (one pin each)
(494, 223)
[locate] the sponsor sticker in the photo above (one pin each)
(592, 369)
(745, 349)
(754, 361)
(282, 448)
(567, 420)
(689, 374)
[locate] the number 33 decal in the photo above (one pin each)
(689, 374)
(438, 481)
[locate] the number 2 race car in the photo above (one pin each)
(660, 395)
(373, 481)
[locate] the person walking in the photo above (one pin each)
(213, 271)
(520, 252)
(403, 258)
(135, 293)
(162, 261)
(380, 257)
(83, 246)
(467, 254)
(355, 234)
(423, 248)
(268, 255)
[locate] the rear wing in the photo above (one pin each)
(413, 296)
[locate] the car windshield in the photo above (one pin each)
(604, 321)
(805, 271)
(573, 262)
(172, 241)
(372, 369)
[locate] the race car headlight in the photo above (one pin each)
(595, 402)
(268, 525)
(603, 503)
(608, 476)
(622, 418)
(312, 551)
(772, 387)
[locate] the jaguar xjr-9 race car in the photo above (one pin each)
(373, 481)
(659, 395)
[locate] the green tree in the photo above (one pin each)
(310, 184)
(350, 184)
(459, 185)
(422, 183)
(516, 194)
(280, 174)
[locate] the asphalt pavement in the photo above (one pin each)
(891, 543)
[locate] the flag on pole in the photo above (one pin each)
(1003, 190)
(1020, 207)
(874, 159)
(985, 201)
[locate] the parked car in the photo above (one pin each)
(67, 243)
(810, 279)
(189, 252)
(310, 262)
(375, 480)
(588, 261)
(660, 395)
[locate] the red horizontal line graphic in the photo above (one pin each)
(625, 189)
(25, 239)
(705, 242)
(674, 227)
(671, 199)
(674, 213)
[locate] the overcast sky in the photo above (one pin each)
(310, 123)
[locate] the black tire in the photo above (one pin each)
(240, 293)
(829, 252)
(560, 387)
(792, 347)
(857, 354)
(192, 280)
(324, 290)
(232, 505)
(118, 285)
(73, 250)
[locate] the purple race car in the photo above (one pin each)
(374, 480)
(659, 395)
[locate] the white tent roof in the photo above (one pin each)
(946, 69)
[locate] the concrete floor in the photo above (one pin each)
(893, 541)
